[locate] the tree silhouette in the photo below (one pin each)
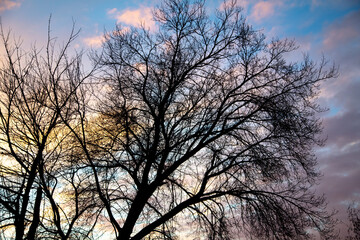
(354, 218)
(198, 128)
(36, 96)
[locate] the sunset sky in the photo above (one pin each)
(329, 28)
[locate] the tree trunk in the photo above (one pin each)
(36, 217)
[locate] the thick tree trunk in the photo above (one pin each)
(19, 229)
(36, 217)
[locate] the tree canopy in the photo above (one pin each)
(198, 128)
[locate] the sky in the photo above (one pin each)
(329, 28)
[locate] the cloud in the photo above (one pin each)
(341, 175)
(98, 40)
(95, 41)
(263, 10)
(343, 32)
(7, 5)
(112, 11)
(341, 43)
(135, 17)
(343, 131)
(340, 159)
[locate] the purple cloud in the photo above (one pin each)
(340, 159)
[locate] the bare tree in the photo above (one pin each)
(37, 91)
(205, 123)
(200, 128)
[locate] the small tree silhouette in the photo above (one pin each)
(354, 217)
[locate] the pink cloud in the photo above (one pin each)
(95, 41)
(7, 5)
(340, 35)
(135, 17)
(341, 159)
(341, 175)
(341, 42)
(98, 40)
(262, 10)
(343, 32)
(112, 11)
